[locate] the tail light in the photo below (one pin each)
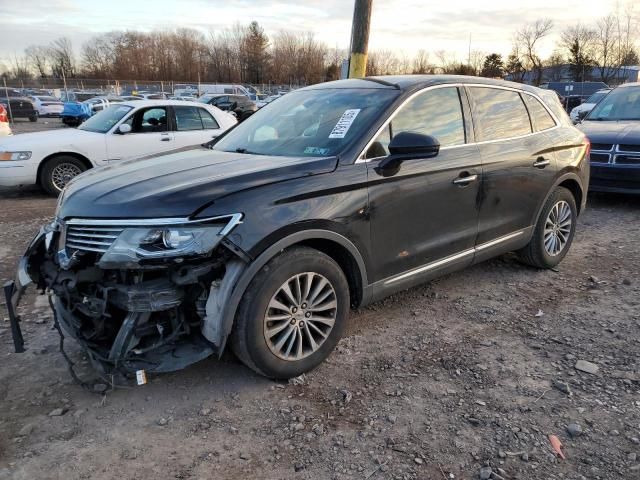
(3, 114)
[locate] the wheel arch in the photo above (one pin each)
(87, 163)
(338, 247)
(571, 182)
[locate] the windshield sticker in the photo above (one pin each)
(343, 125)
(316, 150)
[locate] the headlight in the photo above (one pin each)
(15, 155)
(167, 241)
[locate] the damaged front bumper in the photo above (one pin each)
(158, 312)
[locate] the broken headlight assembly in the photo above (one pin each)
(158, 242)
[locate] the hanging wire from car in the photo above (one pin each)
(88, 386)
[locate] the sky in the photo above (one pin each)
(404, 26)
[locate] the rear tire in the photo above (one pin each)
(554, 231)
(59, 171)
(292, 314)
(33, 118)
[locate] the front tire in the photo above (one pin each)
(59, 171)
(292, 314)
(33, 118)
(554, 231)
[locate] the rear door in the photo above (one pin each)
(420, 219)
(518, 163)
(194, 126)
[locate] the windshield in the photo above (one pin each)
(310, 123)
(596, 97)
(103, 121)
(621, 104)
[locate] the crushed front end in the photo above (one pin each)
(136, 294)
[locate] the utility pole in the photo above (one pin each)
(360, 38)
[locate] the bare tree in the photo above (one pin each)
(528, 40)
(62, 58)
(38, 56)
(421, 62)
(476, 61)
(578, 42)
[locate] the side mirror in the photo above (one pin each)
(414, 145)
(124, 128)
(407, 146)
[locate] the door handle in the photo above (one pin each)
(462, 181)
(165, 139)
(541, 162)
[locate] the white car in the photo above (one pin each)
(121, 131)
(581, 111)
(47, 106)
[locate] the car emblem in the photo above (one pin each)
(20, 104)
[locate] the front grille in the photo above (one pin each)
(628, 148)
(602, 146)
(627, 160)
(599, 157)
(91, 238)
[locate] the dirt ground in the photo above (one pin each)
(473, 370)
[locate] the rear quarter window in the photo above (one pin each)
(540, 117)
(498, 114)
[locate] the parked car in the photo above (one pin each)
(267, 100)
(581, 111)
(240, 105)
(19, 107)
(74, 113)
(334, 196)
(613, 126)
(47, 106)
(5, 128)
(123, 130)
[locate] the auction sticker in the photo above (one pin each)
(343, 125)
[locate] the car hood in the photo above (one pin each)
(583, 106)
(178, 184)
(612, 132)
(51, 138)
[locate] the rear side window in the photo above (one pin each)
(540, 118)
(187, 118)
(498, 114)
(208, 122)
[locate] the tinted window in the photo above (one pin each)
(436, 112)
(207, 119)
(539, 116)
(187, 118)
(498, 114)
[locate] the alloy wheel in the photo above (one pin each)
(557, 228)
(63, 173)
(300, 316)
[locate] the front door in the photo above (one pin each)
(149, 135)
(423, 217)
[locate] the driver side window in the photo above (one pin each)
(148, 120)
(435, 112)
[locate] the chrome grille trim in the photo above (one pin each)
(97, 235)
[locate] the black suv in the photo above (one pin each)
(242, 106)
(333, 197)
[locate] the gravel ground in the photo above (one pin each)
(463, 378)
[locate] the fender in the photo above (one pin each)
(228, 311)
(561, 178)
